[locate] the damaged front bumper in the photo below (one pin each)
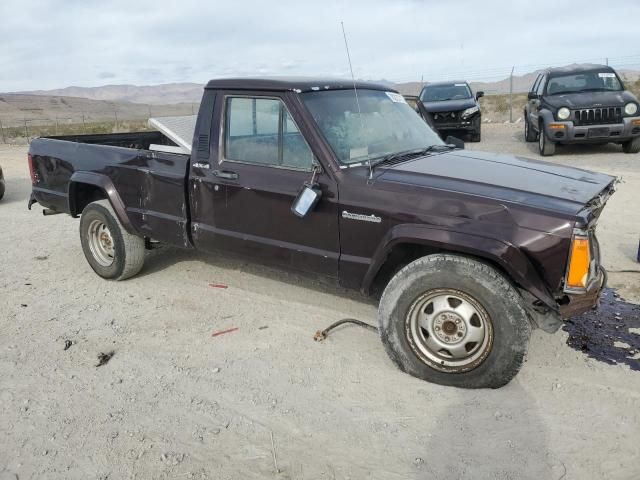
(576, 303)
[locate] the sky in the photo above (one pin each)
(59, 43)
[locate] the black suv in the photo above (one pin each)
(581, 104)
(451, 109)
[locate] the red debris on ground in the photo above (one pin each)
(222, 332)
(218, 285)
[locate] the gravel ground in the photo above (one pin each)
(265, 400)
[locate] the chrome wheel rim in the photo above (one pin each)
(101, 243)
(449, 330)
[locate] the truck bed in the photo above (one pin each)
(149, 187)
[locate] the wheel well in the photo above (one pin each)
(82, 194)
(403, 254)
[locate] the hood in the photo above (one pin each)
(533, 183)
(590, 99)
(449, 105)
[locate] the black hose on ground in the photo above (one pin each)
(322, 334)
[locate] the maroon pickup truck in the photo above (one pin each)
(470, 250)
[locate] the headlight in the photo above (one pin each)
(630, 108)
(470, 111)
(564, 113)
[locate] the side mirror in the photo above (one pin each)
(479, 94)
(532, 96)
(455, 141)
(307, 198)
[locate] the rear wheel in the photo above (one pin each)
(112, 252)
(454, 321)
(545, 146)
(632, 146)
(476, 137)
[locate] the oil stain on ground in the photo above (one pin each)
(610, 334)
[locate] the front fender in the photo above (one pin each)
(105, 184)
(510, 258)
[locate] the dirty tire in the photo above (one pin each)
(632, 146)
(128, 249)
(489, 288)
(476, 137)
(545, 146)
(1, 191)
(529, 133)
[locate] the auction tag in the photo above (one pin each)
(396, 97)
(606, 75)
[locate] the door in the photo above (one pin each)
(261, 164)
(534, 104)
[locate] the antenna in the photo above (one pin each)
(355, 90)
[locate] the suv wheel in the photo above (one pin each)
(546, 147)
(112, 252)
(454, 321)
(529, 133)
(632, 146)
(477, 136)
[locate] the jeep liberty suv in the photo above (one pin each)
(581, 104)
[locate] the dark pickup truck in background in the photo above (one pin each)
(581, 104)
(469, 249)
(451, 109)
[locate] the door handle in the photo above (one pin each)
(225, 174)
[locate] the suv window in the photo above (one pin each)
(261, 130)
(534, 87)
(540, 88)
(584, 82)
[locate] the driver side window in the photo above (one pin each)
(261, 131)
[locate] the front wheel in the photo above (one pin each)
(454, 321)
(112, 252)
(631, 146)
(529, 133)
(545, 146)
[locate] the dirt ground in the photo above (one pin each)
(265, 400)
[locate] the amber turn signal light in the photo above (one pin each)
(579, 261)
(556, 126)
(635, 122)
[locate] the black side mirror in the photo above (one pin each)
(307, 198)
(532, 96)
(455, 141)
(479, 94)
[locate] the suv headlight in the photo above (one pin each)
(470, 111)
(630, 108)
(564, 113)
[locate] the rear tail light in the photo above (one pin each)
(32, 172)
(579, 263)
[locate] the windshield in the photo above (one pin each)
(440, 93)
(385, 125)
(583, 82)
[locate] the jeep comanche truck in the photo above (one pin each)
(469, 249)
(581, 104)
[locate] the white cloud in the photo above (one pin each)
(50, 44)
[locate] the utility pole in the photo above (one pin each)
(606, 61)
(56, 125)
(511, 95)
(115, 114)
(26, 130)
(4, 140)
(84, 127)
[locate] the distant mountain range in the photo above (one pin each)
(174, 93)
(152, 94)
